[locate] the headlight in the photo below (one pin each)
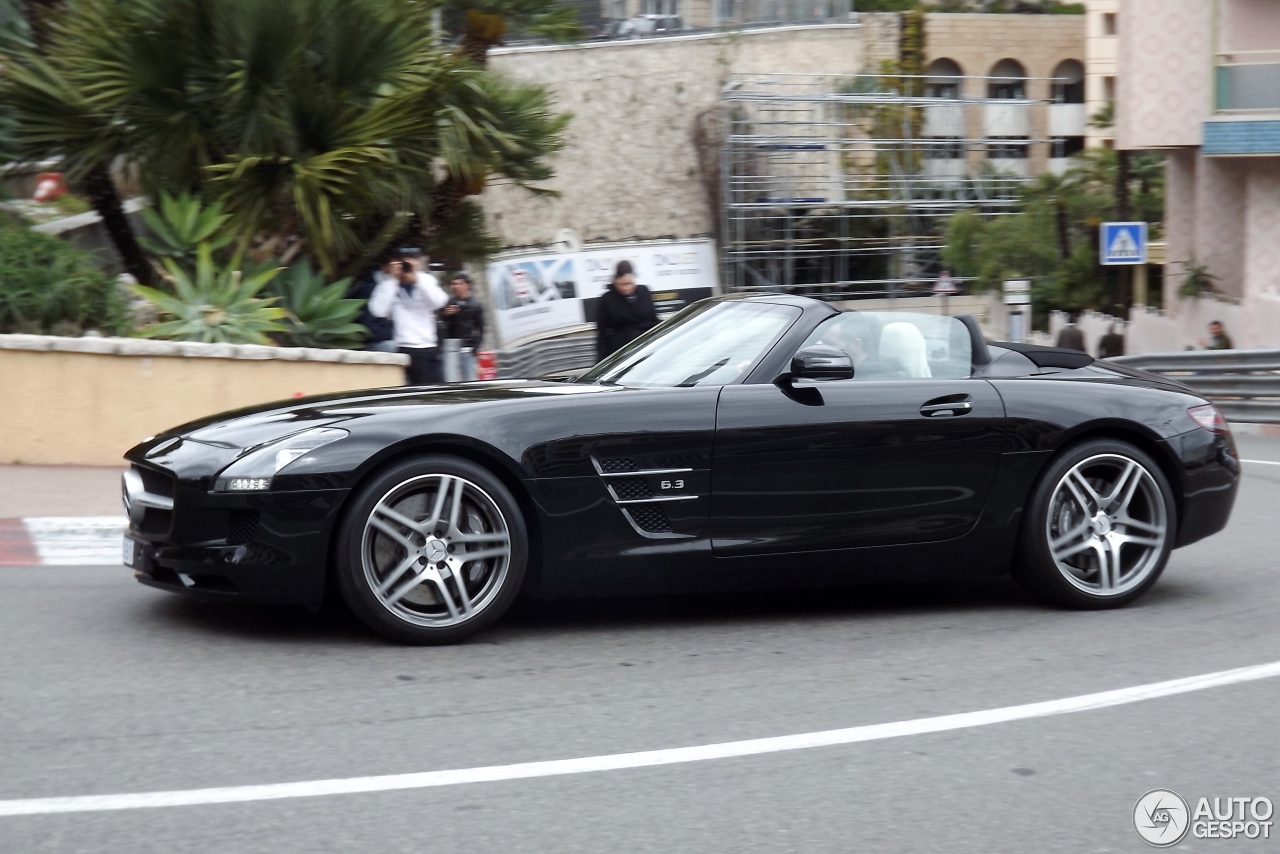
(253, 472)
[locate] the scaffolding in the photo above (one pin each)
(839, 187)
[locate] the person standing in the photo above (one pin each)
(1070, 337)
(1218, 338)
(1111, 344)
(411, 297)
(623, 313)
(381, 334)
(464, 320)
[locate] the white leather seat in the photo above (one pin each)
(903, 348)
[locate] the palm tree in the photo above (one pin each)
(483, 24)
(320, 125)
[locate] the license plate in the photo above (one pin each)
(127, 551)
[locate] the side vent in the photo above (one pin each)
(651, 519)
(617, 465)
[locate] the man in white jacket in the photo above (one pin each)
(411, 298)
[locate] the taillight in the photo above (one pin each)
(1209, 418)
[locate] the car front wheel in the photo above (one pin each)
(433, 550)
(1099, 528)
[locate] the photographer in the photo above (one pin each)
(411, 297)
(463, 318)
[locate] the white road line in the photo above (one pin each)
(76, 540)
(642, 759)
(1262, 462)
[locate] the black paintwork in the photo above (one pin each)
(794, 483)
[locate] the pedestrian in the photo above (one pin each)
(623, 313)
(1111, 344)
(380, 333)
(411, 298)
(1070, 337)
(1218, 338)
(463, 318)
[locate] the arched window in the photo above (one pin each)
(1068, 82)
(1008, 80)
(943, 79)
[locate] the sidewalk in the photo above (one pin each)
(60, 515)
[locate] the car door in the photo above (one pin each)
(890, 457)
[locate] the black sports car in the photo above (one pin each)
(748, 441)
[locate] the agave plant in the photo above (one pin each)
(214, 304)
(183, 222)
(318, 314)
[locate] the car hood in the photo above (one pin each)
(256, 425)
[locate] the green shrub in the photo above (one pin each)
(47, 286)
(212, 303)
(319, 314)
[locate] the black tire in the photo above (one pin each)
(1057, 581)
(366, 549)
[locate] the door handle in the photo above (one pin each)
(955, 407)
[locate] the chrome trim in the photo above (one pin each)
(642, 473)
(136, 496)
(658, 498)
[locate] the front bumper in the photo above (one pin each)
(268, 547)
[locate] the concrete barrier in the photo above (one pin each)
(85, 401)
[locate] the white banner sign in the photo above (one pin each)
(533, 294)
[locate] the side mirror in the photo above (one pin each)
(821, 362)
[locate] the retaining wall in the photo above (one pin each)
(85, 401)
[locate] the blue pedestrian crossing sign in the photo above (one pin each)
(1124, 243)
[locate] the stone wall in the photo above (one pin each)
(644, 145)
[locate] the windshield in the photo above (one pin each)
(709, 343)
(899, 345)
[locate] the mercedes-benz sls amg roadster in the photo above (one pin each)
(745, 442)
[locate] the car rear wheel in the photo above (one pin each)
(432, 551)
(1099, 528)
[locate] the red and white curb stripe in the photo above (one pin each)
(61, 540)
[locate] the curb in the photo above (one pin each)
(61, 541)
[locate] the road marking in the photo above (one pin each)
(1263, 462)
(642, 759)
(77, 540)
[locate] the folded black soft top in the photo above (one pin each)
(1048, 357)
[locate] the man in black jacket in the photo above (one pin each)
(463, 318)
(623, 313)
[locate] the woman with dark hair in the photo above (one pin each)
(623, 313)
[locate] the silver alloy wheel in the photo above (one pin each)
(1107, 525)
(436, 550)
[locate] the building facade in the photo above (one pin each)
(1200, 80)
(1102, 44)
(1029, 70)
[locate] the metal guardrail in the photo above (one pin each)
(1243, 384)
(573, 352)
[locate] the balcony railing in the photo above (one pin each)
(1248, 81)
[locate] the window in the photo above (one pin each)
(1108, 23)
(1007, 81)
(899, 345)
(1068, 82)
(709, 343)
(1108, 88)
(1067, 146)
(1008, 148)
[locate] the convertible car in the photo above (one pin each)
(746, 442)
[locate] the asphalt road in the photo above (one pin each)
(109, 687)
